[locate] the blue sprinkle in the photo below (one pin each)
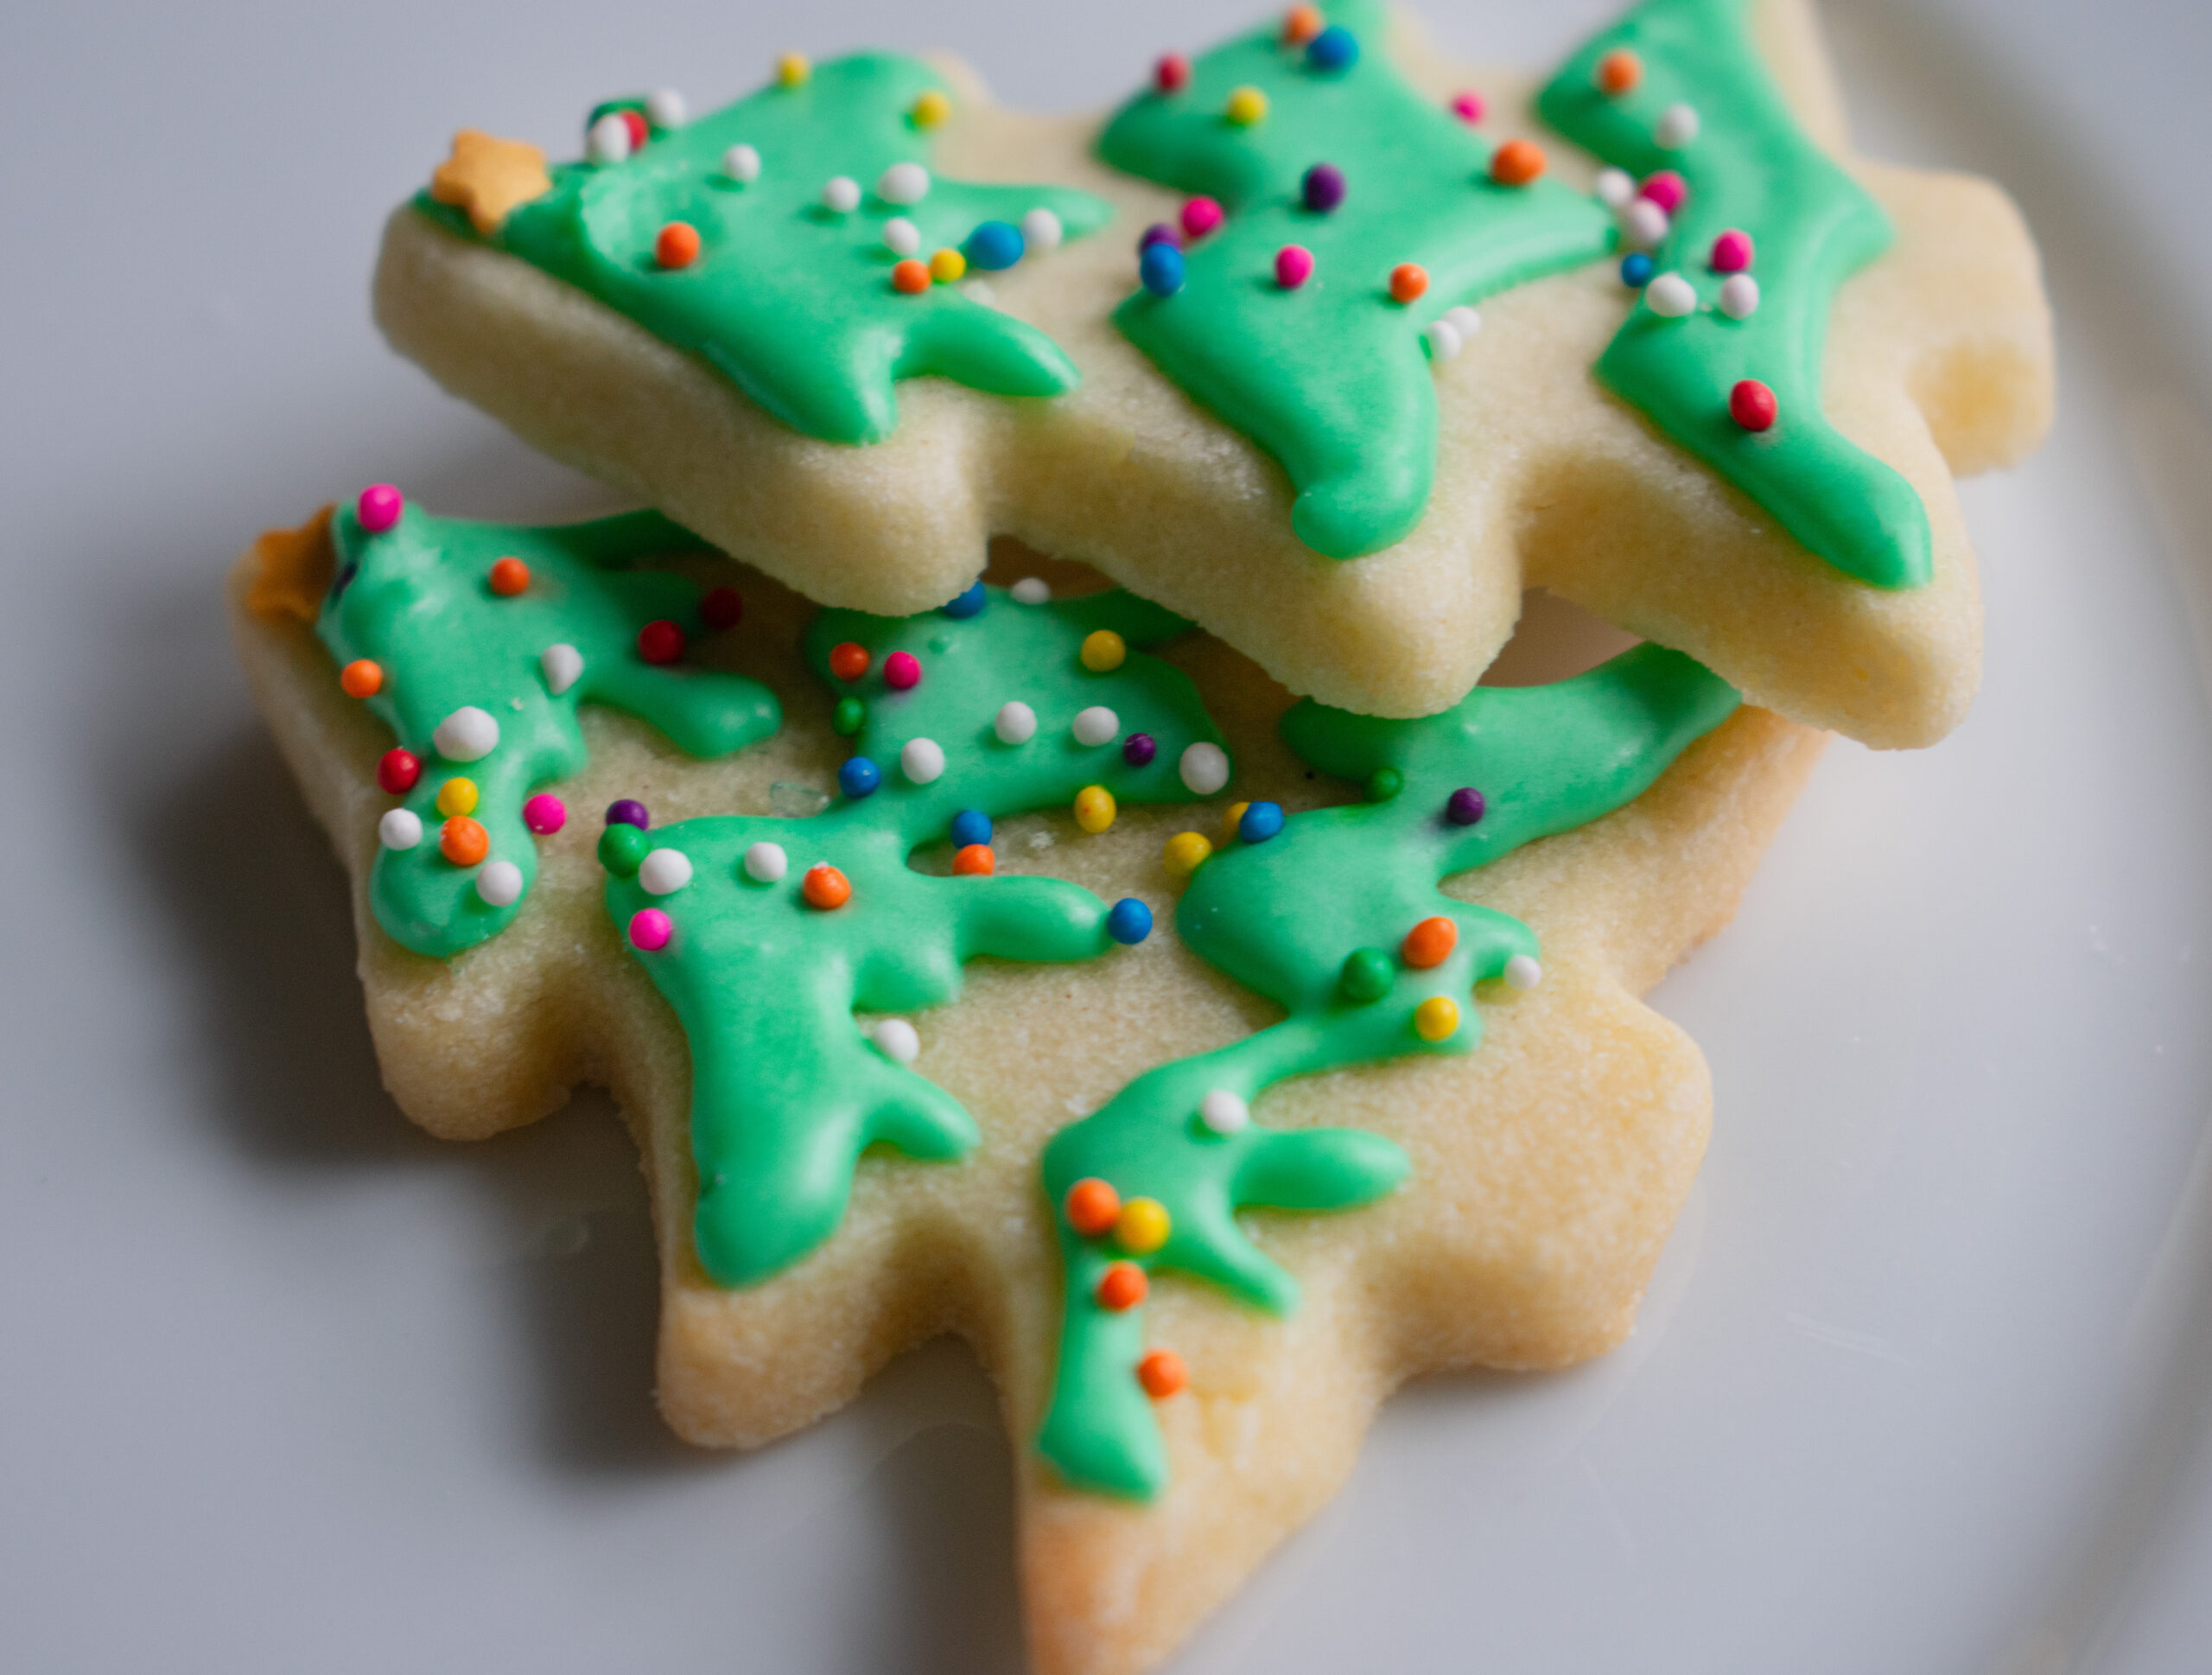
(994, 245)
(1636, 270)
(970, 603)
(1161, 267)
(859, 776)
(1129, 921)
(1261, 822)
(970, 825)
(1335, 48)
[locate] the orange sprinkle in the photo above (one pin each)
(911, 276)
(974, 861)
(1430, 943)
(1162, 1374)
(848, 661)
(463, 842)
(1301, 24)
(1516, 163)
(509, 577)
(1407, 281)
(1121, 1286)
(1093, 1207)
(677, 247)
(1618, 72)
(826, 887)
(361, 678)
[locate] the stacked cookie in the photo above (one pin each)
(910, 820)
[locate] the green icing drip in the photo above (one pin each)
(789, 299)
(787, 1092)
(1752, 168)
(1311, 919)
(416, 600)
(1331, 379)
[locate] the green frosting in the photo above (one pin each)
(1331, 378)
(787, 1091)
(791, 301)
(417, 599)
(1313, 919)
(1751, 167)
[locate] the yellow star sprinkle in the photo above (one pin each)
(489, 176)
(294, 567)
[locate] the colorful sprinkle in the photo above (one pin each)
(971, 825)
(1230, 819)
(846, 718)
(563, 666)
(1677, 127)
(665, 871)
(1142, 1227)
(1335, 49)
(1615, 187)
(1160, 232)
(463, 842)
(826, 887)
(1671, 295)
(1522, 972)
(1171, 73)
(1437, 1018)
(1301, 24)
(629, 812)
(1636, 270)
(741, 163)
(1139, 748)
(1041, 230)
(966, 604)
(1129, 921)
(1161, 269)
(841, 194)
(1323, 186)
(677, 245)
(362, 677)
(1366, 977)
(378, 507)
(910, 277)
(1732, 251)
(499, 885)
(1094, 808)
(1184, 853)
(897, 1039)
(1245, 107)
(1015, 723)
(1665, 188)
(1162, 1374)
(1739, 296)
(902, 671)
(723, 608)
(767, 863)
(1516, 163)
(1205, 768)
(993, 245)
(1092, 1206)
(930, 110)
(1294, 266)
(974, 861)
(1753, 405)
(1122, 1287)
(848, 659)
(1384, 784)
(468, 734)
(1225, 1111)
(901, 237)
(1096, 725)
(1104, 651)
(1464, 806)
(1031, 590)
(398, 770)
(544, 814)
(903, 183)
(401, 828)
(1261, 822)
(792, 69)
(1443, 339)
(660, 642)
(457, 796)
(1430, 943)
(607, 140)
(1199, 217)
(1618, 73)
(1468, 107)
(1408, 281)
(650, 930)
(947, 265)
(509, 577)
(922, 761)
(859, 777)
(621, 848)
(1644, 223)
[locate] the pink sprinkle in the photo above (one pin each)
(1200, 217)
(649, 929)
(545, 815)
(1666, 188)
(1732, 251)
(378, 507)
(1294, 266)
(1468, 107)
(901, 670)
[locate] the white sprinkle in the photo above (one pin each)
(1031, 590)
(766, 864)
(466, 736)
(897, 1040)
(741, 162)
(903, 183)
(1616, 188)
(842, 194)
(1523, 972)
(1224, 1112)
(1205, 768)
(1739, 296)
(401, 828)
(499, 883)
(922, 761)
(1041, 230)
(1644, 224)
(1464, 320)
(563, 666)
(607, 140)
(901, 237)
(1672, 296)
(1096, 725)
(665, 871)
(664, 108)
(1443, 341)
(1678, 126)
(1016, 724)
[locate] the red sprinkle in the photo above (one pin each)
(848, 661)
(660, 642)
(638, 132)
(1753, 405)
(723, 608)
(1172, 74)
(397, 771)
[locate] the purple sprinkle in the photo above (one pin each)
(1159, 233)
(628, 812)
(1139, 748)
(1325, 187)
(1464, 806)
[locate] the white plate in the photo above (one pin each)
(284, 1387)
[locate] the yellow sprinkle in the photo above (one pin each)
(1185, 853)
(1436, 1018)
(930, 108)
(1231, 820)
(1094, 808)
(947, 265)
(792, 69)
(457, 796)
(1246, 107)
(1103, 650)
(1143, 1225)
